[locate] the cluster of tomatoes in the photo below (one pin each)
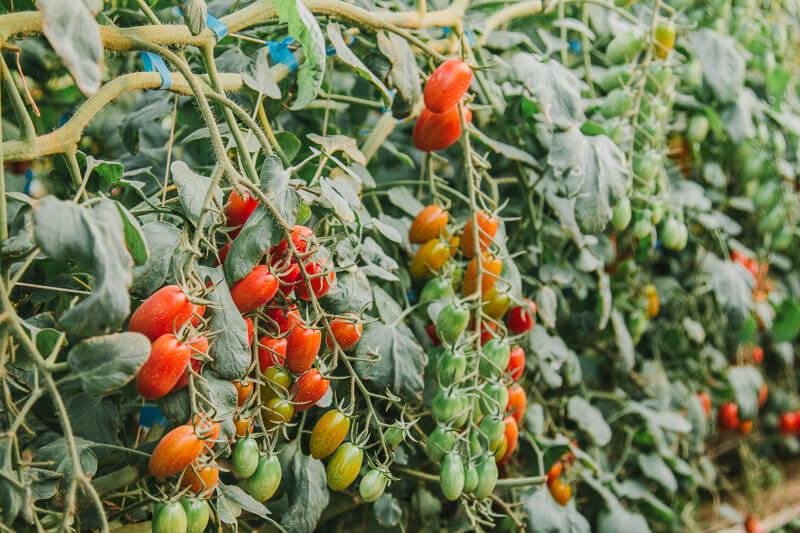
(760, 273)
(439, 125)
(559, 490)
(728, 413)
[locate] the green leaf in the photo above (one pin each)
(57, 457)
(618, 520)
(162, 239)
(551, 355)
(338, 143)
(589, 419)
(746, 382)
(787, 321)
(134, 236)
(344, 53)
(92, 418)
(289, 142)
(94, 238)
(405, 73)
(388, 308)
(732, 285)
(245, 501)
(387, 510)
(551, 517)
(546, 305)
(554, 88)
(73, 33)
(305, 483)
(627, 356)
(402, 198)
(304, 27)
(109, 172)
(723, 63)
(351, 294)
(259, 77)
(776, 82)
(339, 203)
(104, 364)
(229, 348)
(192, 189)
(654, 468)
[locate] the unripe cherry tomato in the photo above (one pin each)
(496, 303)
(309, 389)
(745, 428)
(238, 209)
(492, 267)
(447, 85)
(270, 351)
(487, 229)
(282, 319)
(201, 478)
(429, 258)
(169, 518)
(440, 441)
(328, 433)
(320, 283)
(787, 423)
(763, 394)
(728, 417)
(175, 451)
(554, 473)
(437, 131)
(197, 514)
(516, 363)
(494, 359)
(346, 332)
(167, 362)
(705, 401)
(372, 485)
(428, 224)
(165, 311)
(561, 492)
(276, 383)
(255, 289)
(451, 476)
(301, 236)
(517, 401)
(263, 484)
(664, 39)
(278, 411)
(521, 318)
(243, 390)
(487, 477)
(245, 457)
(512, 436)
(302, 347)
(344, 466)
(451, 322)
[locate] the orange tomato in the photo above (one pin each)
(487, 228)
(428, 224)
(492, 267)
(561, 492)
(243, 426)
(201, 479)
(517, 400)
(511, 436)
(429, 258)
(243, 390)
(175, 451)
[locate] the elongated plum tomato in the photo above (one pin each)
(282, 319)
(372, 485)
(245, 457)
(705, 401)
(554, 473)
(344, 466)
(328, 433)
(496, 303)
(222, 254)
(165, 311)
(516, 363)
(198, 345)
(263, 484)
(512, 436)
(517, 401)
(255, 289)
(270, 351)
(169, 518)
(309, 389)
(437, 131)
(447, 85)
(250, 332)
(429, 258)
(167, 361)
(560, 492)
(745, 428)
(197, 514)
(752, 525)
(428, 224)
(492, 267)
(278, 411)
(276, 383)
(201, 478)
(301, 235)
(728, 417)
(320, 283)
(521, 318)
(175, 451)
(239, 209)
(243, 426)
(665, 39)
(346, 332)
(243, 390)
(487, 229)
(763, 394)
(302, 347)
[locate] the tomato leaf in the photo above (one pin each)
(192, 190)
(229, 348)
(344, 53)
(627, 355)
(304, 27)
(723, 63)
(351, 294)
(746, 382)
(787, 324)
(388, 510)
(654, 468)
(104, 364)
(405, 73)
(732, 285)
(162, 239)
(618, 520)
(553, 86)
(305, 484)
(552, 517)
(245, 501)
(56, 454)
(590, 419)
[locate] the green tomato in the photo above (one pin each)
(344, 466)
(647, 165)
(487, 477)
(451, 476)
(625, 46)
(674, 234)
(494, 359)
(493, 430)
(614, 77)
(436, 289)
(245, 457)
(660, 76)
(773, 220)
(698, 129)
(265, 480)
(494, 398)
(197, 514)
(439, 443)
(657, 214)
(637, 324)
(470, 479)
(767, 194)
(169, 518)
(617, 103)
(451, 322)
(475, 447)
(372, 485)
(642, 228)
(622, 214)
(452, 366)
(692, 73)
(782, 239)
(394, 436)
(450, 407)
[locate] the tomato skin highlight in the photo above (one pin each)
(165, 309)
(169, 518)
(264, 482)
(447, 85)
(517, 401)
(302, 347)
(270, 350)
(728, 417)
(203, 480)
(487, 229)
(328, 433)
(238, 209)
(437, 131)
(320, 284)
(254, 290)
(343, 467)
(167, 362)
(521, 318)
(492, 267)
(428, 224)
(429, 258)
(346, 332)
(309, 389)
(175, 451)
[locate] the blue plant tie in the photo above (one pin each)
(149, 415)
(28, 181)
(575, 46)
(279, 50)
(219, 28)
(154, 63)
(348, 39)
(468, 33)
(393, 93)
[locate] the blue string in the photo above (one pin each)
(279, 50)
(28, 181)
(154, 63)
(219, 28)
(468, 33)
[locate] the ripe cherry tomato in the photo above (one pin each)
(278, 411)
(346, 332)
(430, 329)
(665, 39)
(169, 518)
(320, 283)
(249, 322)
(496, 303)
(175, 451)
(447, 85)
(451, 476)
(763, 394)
(344, 466)
(517, 400)
(301, 236)
(554, 473)
(276, 383)
(492, 267)
(245, 457)
(197, 514)
(728, 417)
(222, 254)
(328, 433)
(167, 362)
(787, 423)
(512, 436)
(516, 363)
(757, 354)
(752, 525)
(561, 492)
(428, 224)
(198, 345)
(309, 389)
(238, 209)
(745, 428)
(243, 390)
(270, 352)
(266, 479)
(705, 401)
(243, 426)
(437, 131)
(255, 289)
(521, 318)
(282, 319)
(288, 273)
(487, 229)
(165, 311)
(302, 347)
(201, 478)
(429, 258)
(651, 294)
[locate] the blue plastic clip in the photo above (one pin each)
(149, 415)
(575, 46)
(279, 50)
(154, 63)
(28, 181)
(219, 28)
(348, 39)
(393, 93)
(468, 33)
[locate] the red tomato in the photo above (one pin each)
(705, 401)
(512, 436)
(554, 473)
(757, 354)
(437, 131)
(287, 271)
(282, 319)
(250, 332)
(198, 345)
(238, 210)
(320, 283)
(309, 389)
(346, 332)
(517, 400)
(167, 361)
(255, 289)
(752, 525)
(488, 331)
(521, 318)
(201, 479)
(487, 229)
(763, 394)
(516, 364)
(428, 224)
(175, 451)
(492, 267)
(165, 311)
(301, 235)
(430, 329)
(302, 347)
(787, 423)
(269, 350)
(222, 254)
(728, 417)
(447, 85)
